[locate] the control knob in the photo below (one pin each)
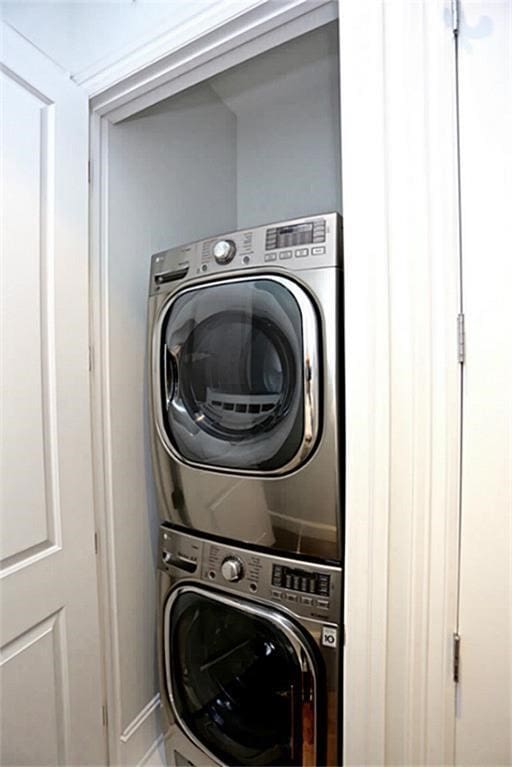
(224, 251)
(232, 569)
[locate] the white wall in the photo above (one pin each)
(164, 166)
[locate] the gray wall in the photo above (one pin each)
(288, 129)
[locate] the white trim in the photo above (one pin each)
(155, 746)
(141, 717)
(403, 398)
(143, 734)
(218, 48)
(124, 62)
(367, 380)
(101, 430)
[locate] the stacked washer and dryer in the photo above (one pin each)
(247, 425)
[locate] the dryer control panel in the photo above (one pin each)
(305, 243)
(312, 590)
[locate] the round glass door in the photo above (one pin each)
(235, 682)
(231, 359)
(238, 375)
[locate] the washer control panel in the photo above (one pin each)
(308, 589)
(310, 232)
(299, 244)
(297, 579)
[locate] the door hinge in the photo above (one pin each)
(104, 715)
(456, 657)
(89, 171)
(461, 339)
(455, 16)
(96, 543)
(90, 358)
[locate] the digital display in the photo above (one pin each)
(300, 580)
(291, 235)
(300, 234)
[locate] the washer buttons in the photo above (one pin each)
(270, 256)
(301, 253)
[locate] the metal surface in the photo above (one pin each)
(300, 511)
(251, 252)
(305, 625)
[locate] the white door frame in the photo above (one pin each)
(402, 375)
(403, 378)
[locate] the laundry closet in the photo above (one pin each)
(256, 144)
(256, 139)
(281, 111)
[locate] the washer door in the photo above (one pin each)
(236, 373)
(241, 680)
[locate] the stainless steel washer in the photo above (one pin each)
(250, 655)
(246, 387)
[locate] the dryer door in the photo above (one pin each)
(236, 375)
(241, 680)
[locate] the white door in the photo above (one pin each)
(484, 712)
(50, 651)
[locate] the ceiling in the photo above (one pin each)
(81, 35)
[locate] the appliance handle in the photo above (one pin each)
(292, 721)
(308, 716)
(170, 375)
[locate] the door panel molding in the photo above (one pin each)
(50, 617)
(52, 627)
(29, 242)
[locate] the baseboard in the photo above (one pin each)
(140, 739)
(154, 756)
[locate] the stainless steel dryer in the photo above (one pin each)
(246, 396)
(250, 656)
